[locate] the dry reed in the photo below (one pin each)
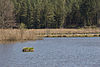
(33, 34)
(67, 31)
(17, 34)
(90, 32)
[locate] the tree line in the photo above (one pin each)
(49, 13)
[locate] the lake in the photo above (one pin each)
(53, 52)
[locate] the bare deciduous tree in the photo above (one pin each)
(7, 19)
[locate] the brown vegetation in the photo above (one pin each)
(33, 34)
(17, 34)
(68, 31)
(7, 16)
(90, 32)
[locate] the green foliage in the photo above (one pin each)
(28, 49)
(56, 13)
(22, 26)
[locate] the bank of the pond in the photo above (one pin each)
(36, 34)
(90, 32)
(72, 35)
(17, 34)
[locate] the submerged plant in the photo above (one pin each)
(28, 49)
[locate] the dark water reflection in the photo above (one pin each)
(53, 52)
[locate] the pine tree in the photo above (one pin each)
(30, 18)
(87, 10)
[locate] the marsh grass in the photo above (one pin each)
(17, 34)
(34, 34)
(82, 32)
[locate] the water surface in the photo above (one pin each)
(53, 52)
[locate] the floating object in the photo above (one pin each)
(28, 49)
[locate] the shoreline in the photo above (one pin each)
(38, 34)
(68, 32)
(17, 35)
(72, 35)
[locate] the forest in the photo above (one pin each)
(40, 14)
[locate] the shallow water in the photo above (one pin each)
(53, 52)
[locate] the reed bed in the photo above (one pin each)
(34, 34)
(17, 34)
(90, 32)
